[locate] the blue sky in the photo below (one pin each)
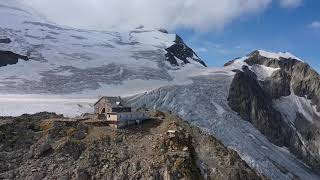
(275, 29)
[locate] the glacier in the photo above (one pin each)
(204, 104)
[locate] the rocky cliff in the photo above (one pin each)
(283, 106)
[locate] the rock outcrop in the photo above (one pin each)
(9, 58)
(181, 51)
(248, 98)
(293, 74)
(48, 147)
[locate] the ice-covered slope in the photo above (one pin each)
(204, 103)
(64, 60)
(44, 60)
(234, 104)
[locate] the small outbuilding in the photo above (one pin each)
(116, 113)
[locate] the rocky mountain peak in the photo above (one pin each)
(274, 55)
(180, 54)
(279, 94)
(286, 71)
(270, 59)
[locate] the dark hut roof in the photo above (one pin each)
(113, 101)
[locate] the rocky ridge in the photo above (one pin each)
(49, 146)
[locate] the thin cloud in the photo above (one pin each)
(290, 3)
(198, 15)
(201, 49)
(315, 25)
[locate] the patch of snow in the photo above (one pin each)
(263, 72)
(23, 70)
(273, 55)
(152, 37)
(220, 110)
(238, 63)
(283, 149)
(289, 106)
(64, 73)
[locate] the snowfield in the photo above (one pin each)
(75, 104)
(16, 105)
(293, 104)
(67, 64)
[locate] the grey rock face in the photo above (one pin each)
(293, 73)
(254, 101)
(279, 85)
(248, 98)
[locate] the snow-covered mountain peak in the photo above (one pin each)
(276, 55)
(262, 57)
(43, 57)
(289, 80)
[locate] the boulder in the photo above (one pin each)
(45, 149)
(5, 41)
